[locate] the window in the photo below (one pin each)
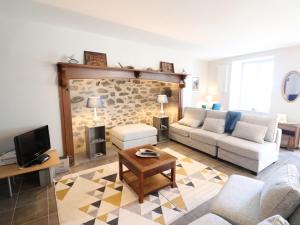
(251, 85)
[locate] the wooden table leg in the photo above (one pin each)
(141, 188)
(120, 170)
(173, 176)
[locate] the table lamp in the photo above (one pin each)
(95, 103)
(162, 99)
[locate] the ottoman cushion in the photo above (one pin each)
(133, 131)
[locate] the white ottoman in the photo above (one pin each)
(133, 135)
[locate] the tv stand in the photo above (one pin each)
(44, 170)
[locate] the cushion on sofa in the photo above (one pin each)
(238, 201)
(263, 120)
(216, 114)
(133, 131)
(245, 148)
(190, 122)
(205, 136)
(274, 220)
(180, 129)
(281, 193)
(195, 114)
(251, 132)
(214, 125)
(210, 219)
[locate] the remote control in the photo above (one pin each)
(149, 153)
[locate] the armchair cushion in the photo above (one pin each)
(210, 219)
(274, 220)
(281, 193)
(239, 201)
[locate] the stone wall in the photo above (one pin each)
(126, 101)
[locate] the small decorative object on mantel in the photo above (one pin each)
(72, 60)
(183, 70)
(121, 66)
(167, 67)
(95, 59)
(129, 67)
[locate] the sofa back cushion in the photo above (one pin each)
(263, 120)
(274, 220)
(214, 125)
(251, 132)
(281, 193)
(198, 114)
(216, 114)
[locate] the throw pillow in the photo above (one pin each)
(231, 120)
(251, 132)
(214, 125)
(281, 193)
(189, 122)
(274, 220)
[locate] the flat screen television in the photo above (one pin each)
(32, 145)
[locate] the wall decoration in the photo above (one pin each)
(167, 67)
(71, 59)
(196, 83)
(95, 59)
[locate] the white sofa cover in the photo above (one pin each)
(132, 135)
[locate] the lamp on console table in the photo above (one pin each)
(95, 103)
(162, 99)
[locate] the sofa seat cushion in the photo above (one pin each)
(205, 136)
(180, 129)
(210, 219)
(239, 200)
(133, 131)
(281, 193)
(247, 148)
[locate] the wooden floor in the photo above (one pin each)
(22, 208)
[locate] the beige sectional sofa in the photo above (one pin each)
(196, 130)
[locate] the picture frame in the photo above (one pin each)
(95, 59)
(167, 67)
(196, 83)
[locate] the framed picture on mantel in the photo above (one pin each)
(95, 59)
(167, 67)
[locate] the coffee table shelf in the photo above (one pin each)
(151, 184)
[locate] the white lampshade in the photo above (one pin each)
(95, 102)
(162, 99)
(281, 118)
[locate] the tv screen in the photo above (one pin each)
(31, 145)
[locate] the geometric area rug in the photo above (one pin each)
(96, 196)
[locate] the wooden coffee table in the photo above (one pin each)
(145, 175)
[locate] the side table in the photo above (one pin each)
(290, 135)
(161, 123)
(95, 141)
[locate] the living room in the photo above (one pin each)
(207, 89)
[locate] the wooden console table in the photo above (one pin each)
(45, 174)
(290, 135)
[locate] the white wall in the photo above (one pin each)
(285, 60)
(28, 80)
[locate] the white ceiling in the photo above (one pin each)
(215, 28)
